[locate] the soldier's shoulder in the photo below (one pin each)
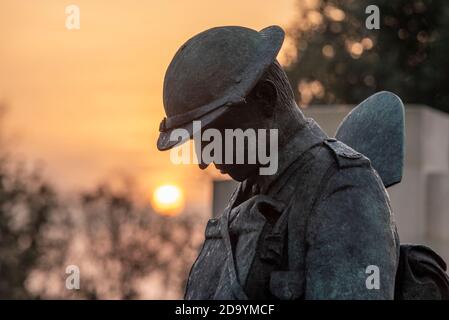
(351, 168)
(344, 155)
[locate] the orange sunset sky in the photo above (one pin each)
(88, 102)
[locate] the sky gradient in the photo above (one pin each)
(88, 102)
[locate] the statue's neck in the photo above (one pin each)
(288, 120)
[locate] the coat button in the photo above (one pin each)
(255, 189)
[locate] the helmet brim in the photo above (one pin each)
(172, 138)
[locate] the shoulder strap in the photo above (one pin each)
(345, 155)
(236, 287)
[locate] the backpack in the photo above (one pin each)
(421, 274)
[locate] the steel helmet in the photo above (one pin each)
(211, 72)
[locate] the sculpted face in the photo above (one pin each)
(243, 120)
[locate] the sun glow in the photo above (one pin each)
(168, 199)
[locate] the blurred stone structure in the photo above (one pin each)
(421, 201)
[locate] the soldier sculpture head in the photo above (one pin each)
(228, 78)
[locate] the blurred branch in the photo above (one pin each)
(340, 61)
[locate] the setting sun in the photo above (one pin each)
(168, 199)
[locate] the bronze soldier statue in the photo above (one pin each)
(322, 223)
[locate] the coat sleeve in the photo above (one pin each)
(351, 239)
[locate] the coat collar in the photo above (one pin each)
(305, 137)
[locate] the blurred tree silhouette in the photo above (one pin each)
(33, 229)
(340, 61)
(120, 247)
(127, 243)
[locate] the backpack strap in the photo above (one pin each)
(237, 290)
